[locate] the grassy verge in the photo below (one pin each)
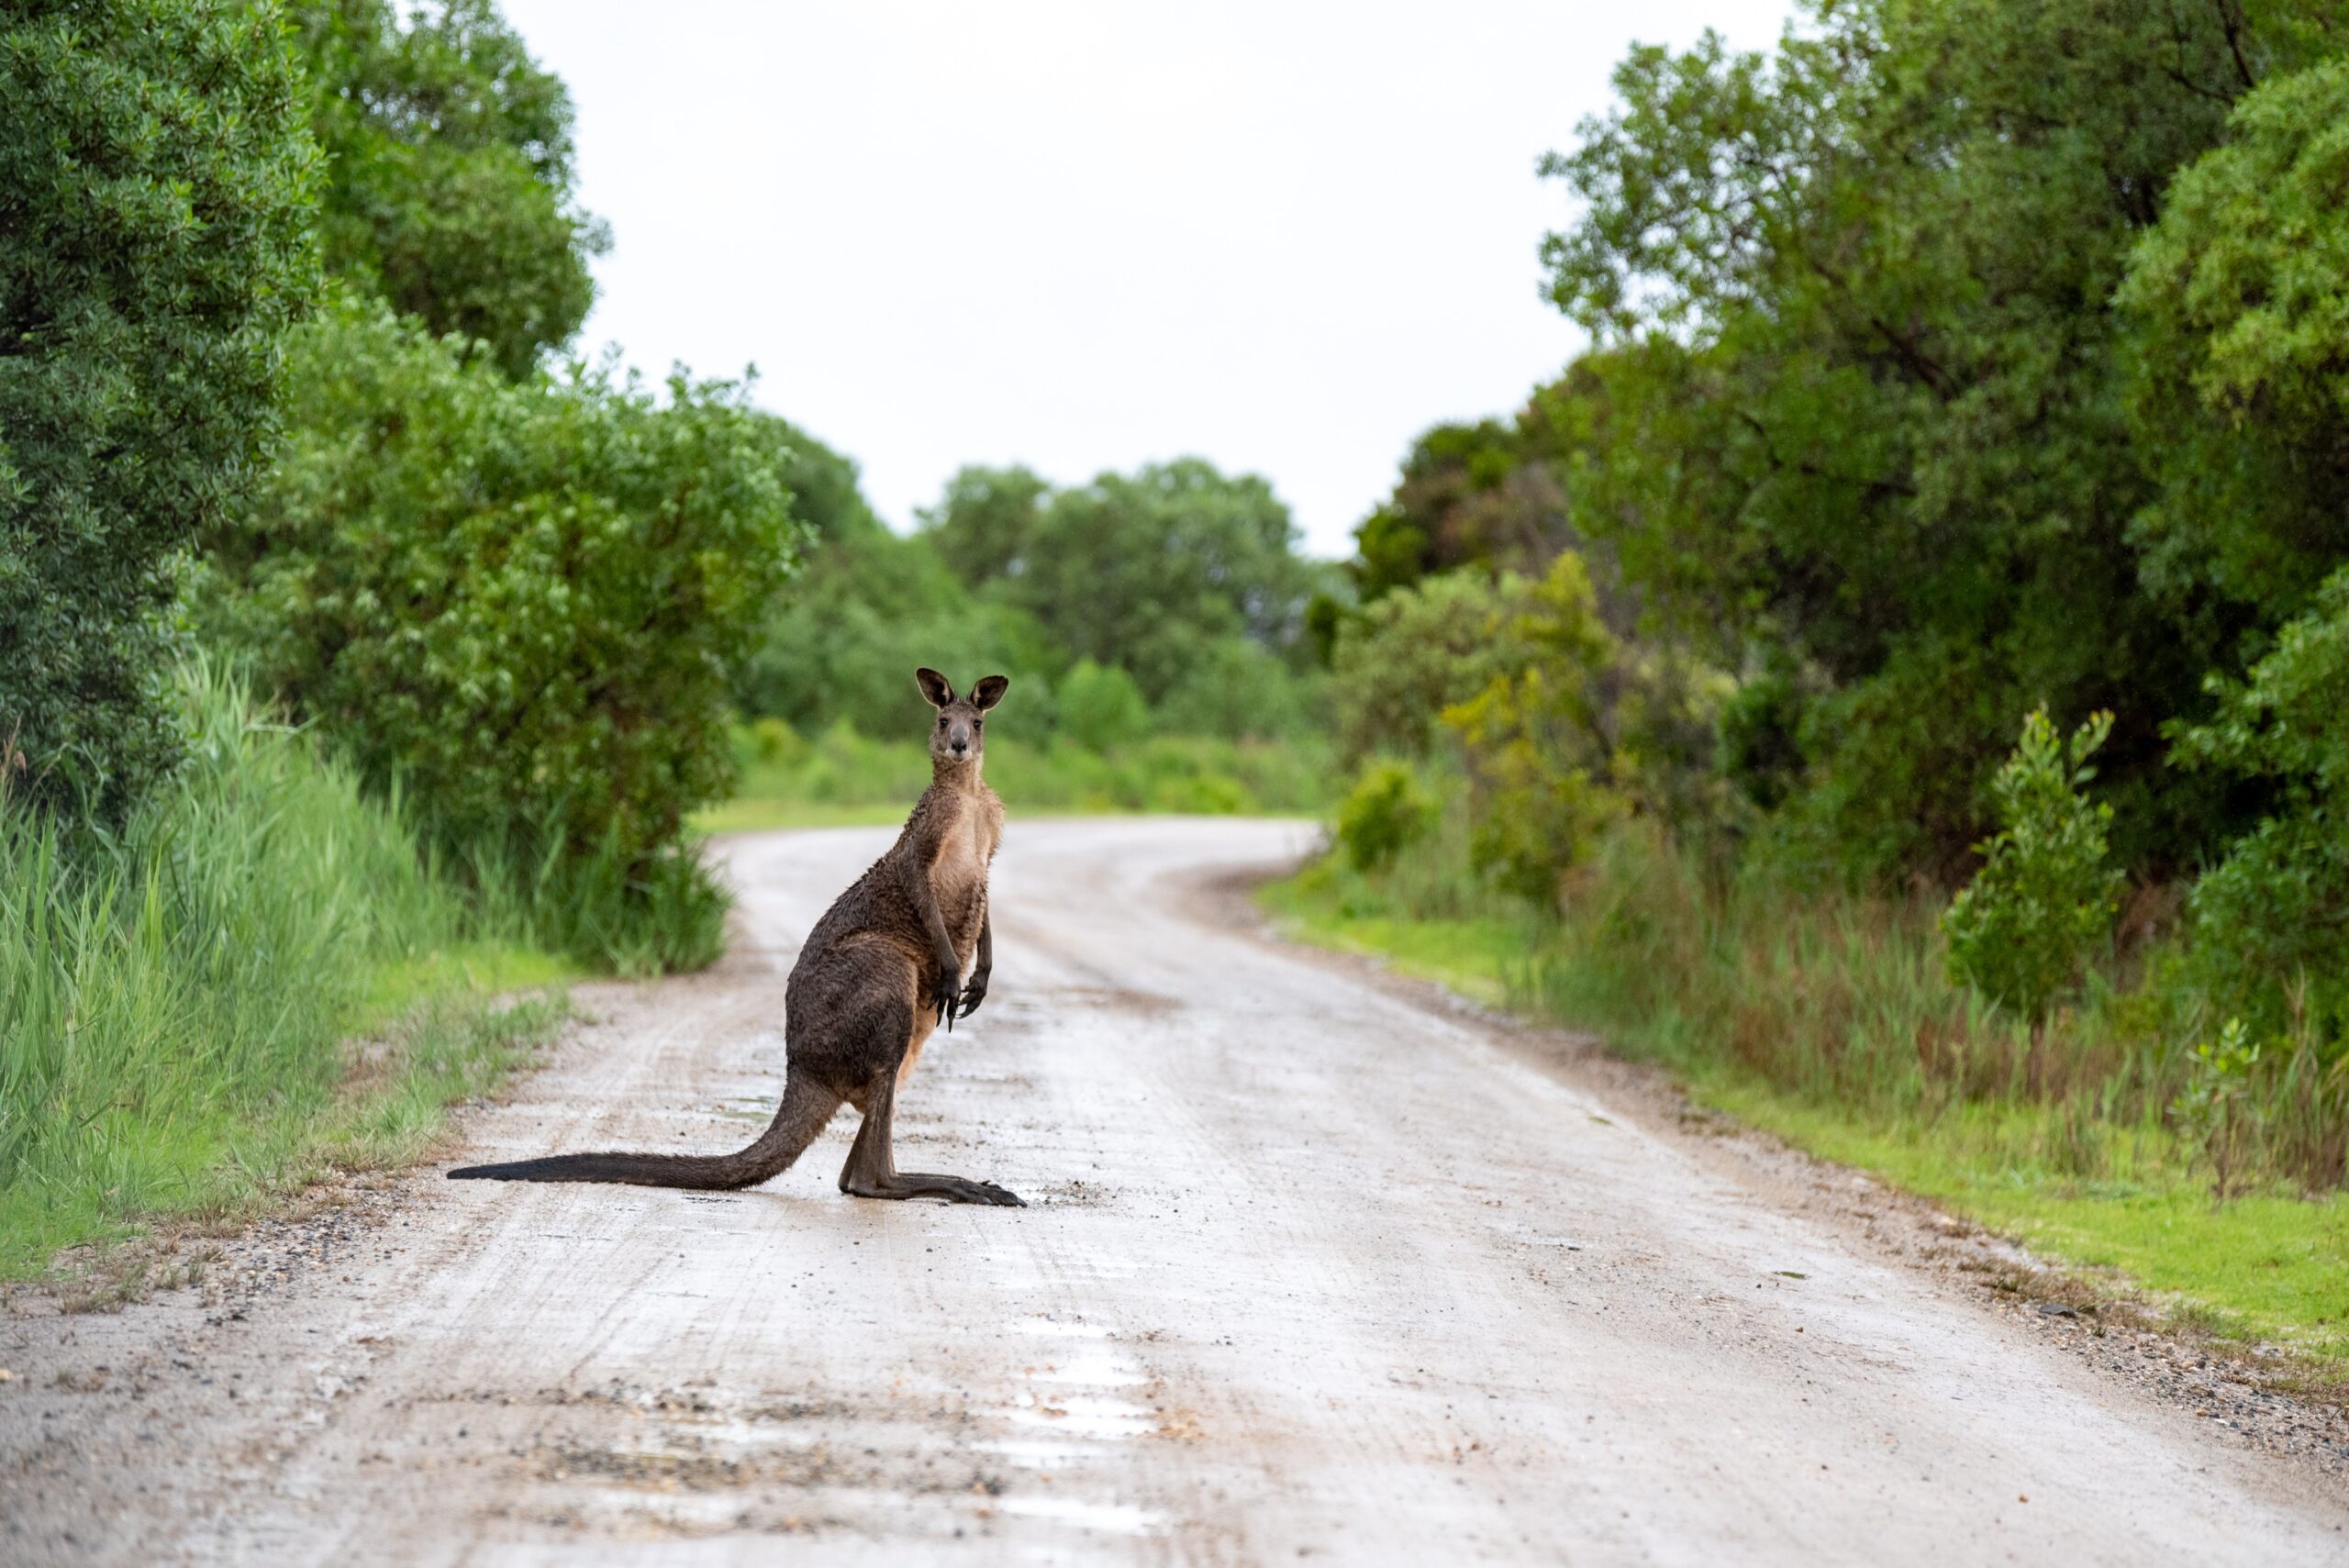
(256, 979)
(840, 778)
(1827, 1022)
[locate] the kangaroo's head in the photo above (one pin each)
(959, 737)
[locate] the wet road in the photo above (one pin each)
(1312, 1272)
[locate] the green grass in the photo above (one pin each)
(259, 976)
(840, 778)
(1828, 1022)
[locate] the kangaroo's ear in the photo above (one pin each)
(935, 688)
(989, 691)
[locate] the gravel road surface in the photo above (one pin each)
(1312, 1271)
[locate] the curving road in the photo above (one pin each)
(1312, 1271)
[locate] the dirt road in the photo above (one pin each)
(1312, 1272)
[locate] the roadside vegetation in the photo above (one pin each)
(1896, 678)
(360, 658)
(366, 657)
(256, 975)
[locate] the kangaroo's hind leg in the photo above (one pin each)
(872, 1170)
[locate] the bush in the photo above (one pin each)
(1537, 749)
(156, 189)
(1101, 707)
(1384, 813)
(519, 602)
(2021, 932)
(2271, 920)
(1414, 653)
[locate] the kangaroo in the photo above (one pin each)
(881, 970)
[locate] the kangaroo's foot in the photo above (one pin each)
(871, 1171)
(920, 1184)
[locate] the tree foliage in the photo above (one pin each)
(2272, 917)
(1147, 571)
(1178, 585)
(519, 602)
(1863, 287)
(841, 644)
(450, 189)
(156, 187)
(2242, 294)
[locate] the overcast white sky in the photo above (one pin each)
(1284, 236)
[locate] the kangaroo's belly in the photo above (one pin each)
(959, 878)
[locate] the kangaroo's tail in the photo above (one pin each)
(805, 1107)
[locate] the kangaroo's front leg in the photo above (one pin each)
(872, 1171)
(982, 966)
(948, 980)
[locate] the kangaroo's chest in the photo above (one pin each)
(959, 874)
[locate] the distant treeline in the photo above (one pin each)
(1171, 600)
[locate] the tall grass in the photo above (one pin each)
(175, 999)
(1165, 772)
(1844, 1001)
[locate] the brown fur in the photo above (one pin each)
(881, 970)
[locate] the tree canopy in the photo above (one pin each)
(157, 184)
(451, 186)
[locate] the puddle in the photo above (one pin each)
(1119, 1519)
(1068, 1418)
(1097, 1416)
(1042, 1453)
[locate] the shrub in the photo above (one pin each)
(1384, 813)
(2271, 920)
(1537, 750)
(1101, 707)
(521, 603)
(156, 188)
(2213, 1109)
(1415, 653)
(1202, 794)
(2022, 930)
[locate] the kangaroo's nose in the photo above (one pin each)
(959, 746)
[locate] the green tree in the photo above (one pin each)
(1149, 571)
(519, 602)
(1241, 691)
(157, 184)
(1860, 287)
(1474, 494)
(1536, 737)
(1101, 707)
(843, 642)
(451, 185)
(2241, 296)
(985, 525)
(2271, 918)
(2021, 932)
(1417, 651)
